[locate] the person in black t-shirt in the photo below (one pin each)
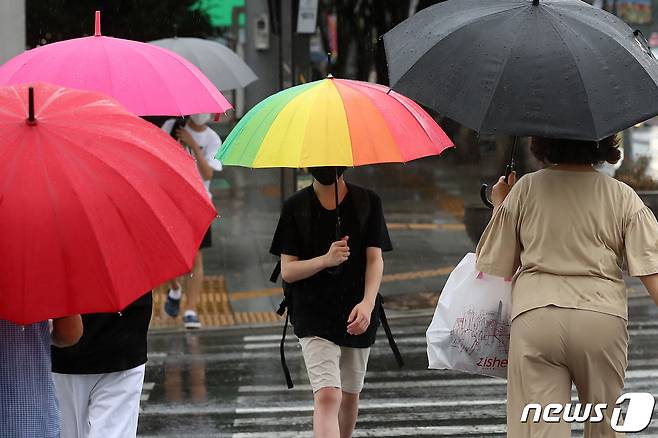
(332, 289)
(99, 380)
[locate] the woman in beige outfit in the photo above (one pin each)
(563, 233)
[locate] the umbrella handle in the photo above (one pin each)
(485, 197)
(508, 171)
(483, 190)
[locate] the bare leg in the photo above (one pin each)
(349, 410)
(194, 284)
(325, 413)
(174, 284)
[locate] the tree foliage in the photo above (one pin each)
(144, 20)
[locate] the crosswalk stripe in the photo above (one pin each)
(407, 335)
(434, 383)
(390, 432)
(373, 405)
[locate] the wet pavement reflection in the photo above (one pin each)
(228, 383)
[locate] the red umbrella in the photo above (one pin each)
(96, 205)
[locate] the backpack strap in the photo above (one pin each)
(276, 272)
(282, 353)
(283, 306)
(389, 334)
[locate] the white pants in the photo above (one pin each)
(99, 405)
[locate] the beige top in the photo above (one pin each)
(568, 231)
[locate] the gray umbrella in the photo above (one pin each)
(225, 69)
(552, 68)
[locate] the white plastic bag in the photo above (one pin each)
(471, 324)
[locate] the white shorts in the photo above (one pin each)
(332, 366)
(99, 405)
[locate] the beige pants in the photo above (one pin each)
(550, 348)
(332, 366)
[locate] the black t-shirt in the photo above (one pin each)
(110, 342)
(321, 304)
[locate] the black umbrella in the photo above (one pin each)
(550, 68)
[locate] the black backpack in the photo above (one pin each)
(361, 199)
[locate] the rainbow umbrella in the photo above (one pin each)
(333, 122)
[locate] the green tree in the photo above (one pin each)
(144, 20)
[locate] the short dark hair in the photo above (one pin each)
(564, 151)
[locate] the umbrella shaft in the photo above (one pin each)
(30, 105)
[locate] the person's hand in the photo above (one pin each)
(359, 319)
(184, 136)
(500, 191)
(338, 253)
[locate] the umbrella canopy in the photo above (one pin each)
(146, 79)
(219, 63)
(96, 205)
(333, 122)
(552, 68)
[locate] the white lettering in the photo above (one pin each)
(552, 412)
(638, 414)
(526, 412)
(598, 411)
(577, 416)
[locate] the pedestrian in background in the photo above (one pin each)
(332, 288)
(567, 230)
(28, 405)
(99, 380)
(203, 144)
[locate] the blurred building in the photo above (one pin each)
(12, 28)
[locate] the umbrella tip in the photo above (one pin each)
(97, 27)
(31, 120)
(535, 2)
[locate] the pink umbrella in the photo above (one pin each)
(146, 79)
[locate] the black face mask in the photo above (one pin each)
(326, 175)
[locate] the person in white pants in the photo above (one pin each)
(99, 381)
(100, 405)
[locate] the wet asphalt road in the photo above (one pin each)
(228, 383)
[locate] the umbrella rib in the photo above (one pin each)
(347, 121)
(397, 98)
(137, 192)
(580, 75)
(147, 58)
(278, 106)
(105, 269)
(366, 124)
(429, 49)
(499, 77)
(179, 59)
(107, 56)
(302, 146)
(436, 142)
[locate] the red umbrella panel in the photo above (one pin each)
(96, 205)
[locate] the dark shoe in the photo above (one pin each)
(172, 307)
